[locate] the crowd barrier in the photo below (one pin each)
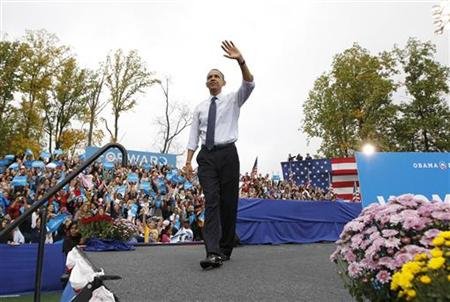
(260, 221)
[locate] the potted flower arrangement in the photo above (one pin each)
(427, 277)
(97, 226)
(104, 233)
(376, 244)
(123, 230)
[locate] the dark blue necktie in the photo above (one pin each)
(211, 124)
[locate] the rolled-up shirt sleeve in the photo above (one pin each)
(195, 131)
(244, 92)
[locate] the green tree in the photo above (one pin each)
(126, 77)
(425, 119)
(11, 55)
(67, 102)
(43, 57)
(95, 105)
(352, 104)
(71, 139)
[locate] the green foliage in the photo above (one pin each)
(43, 58)
(353, 103)
(68, 99)
(42, 91)
(425, 119)
(126, 77)
(95, 106)
(11, 55)
(71, 139)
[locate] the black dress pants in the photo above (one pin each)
(218, 173)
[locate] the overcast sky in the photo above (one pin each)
(286, 45)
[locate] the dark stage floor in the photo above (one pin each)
(292, 272)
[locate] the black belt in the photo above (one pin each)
(218, 147)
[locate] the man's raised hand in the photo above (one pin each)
(232, 52)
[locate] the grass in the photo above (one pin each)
(47, 297)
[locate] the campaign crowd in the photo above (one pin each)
(158, 200)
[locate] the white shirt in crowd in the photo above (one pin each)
(183, 235)
(18, 236)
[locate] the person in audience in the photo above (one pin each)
(3, 224)
(72, 238)
(166, 233)
(185, 234)
(17, 236)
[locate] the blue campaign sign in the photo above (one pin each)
(385, 174)
(133, 177)
(19, 181)
(139, 158)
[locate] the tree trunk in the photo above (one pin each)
(28, 120)
(91, 129)
(425, 140)
(116, 128)
(50, 142)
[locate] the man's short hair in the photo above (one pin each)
(220, 72)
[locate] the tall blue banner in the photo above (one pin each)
(385, 174)
(134, 157)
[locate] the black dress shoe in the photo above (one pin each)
(225, 257)
(211, 261)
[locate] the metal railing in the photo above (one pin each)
(36, 205)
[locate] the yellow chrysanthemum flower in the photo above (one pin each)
(405, 280)
(425, 279)
(436, 263)
(438, 241)
(445, 235)
(395, 279)
(436, 253)
(413, 267)
(421, 256)
(411, 293)
(447, 243)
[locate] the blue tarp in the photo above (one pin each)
(18, 267)
(99, 245)
(262, 221)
